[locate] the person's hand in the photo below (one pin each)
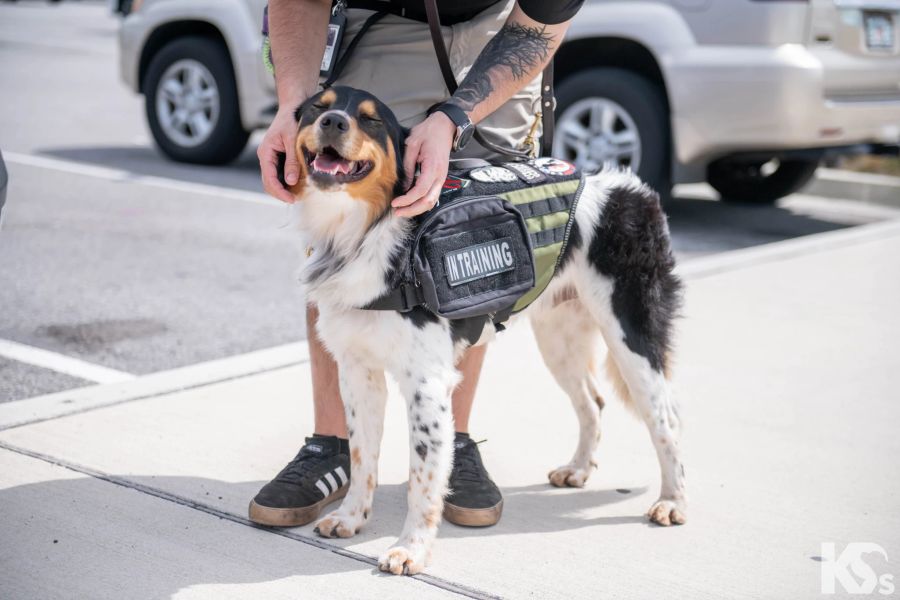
(279, 138)
(428, 146)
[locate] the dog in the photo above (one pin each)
(615, 283)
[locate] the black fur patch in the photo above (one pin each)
(419, 316)
(631, 246)
(422, 450)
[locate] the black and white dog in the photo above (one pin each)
(615, 282)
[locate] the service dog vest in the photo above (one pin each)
(494, 241)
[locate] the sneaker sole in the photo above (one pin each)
(291, 517)
(473, 517)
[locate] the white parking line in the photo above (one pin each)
(61, 363)
(123, 176)
(67, 402)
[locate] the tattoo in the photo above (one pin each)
(516, 47)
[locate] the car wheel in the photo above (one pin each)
(760, 181)
(192, 103)
(609, 116)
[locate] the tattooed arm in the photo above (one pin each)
(515, 56)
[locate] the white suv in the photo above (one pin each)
(744, 94)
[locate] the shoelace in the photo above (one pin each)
(299, 469)
(466, 464)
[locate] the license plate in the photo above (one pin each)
(879, 31)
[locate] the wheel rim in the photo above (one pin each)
(187, 102)
(594, 132)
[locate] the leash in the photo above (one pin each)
(547, 100)
(339, 67)
(432, 17)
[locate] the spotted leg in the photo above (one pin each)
(430, 460)
(364, 395)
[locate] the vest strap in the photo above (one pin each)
(403, 299)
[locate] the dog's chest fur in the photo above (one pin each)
(350, 258)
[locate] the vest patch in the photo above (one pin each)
(479, 261)
(492, 174)
(453, 185)
(526, 173)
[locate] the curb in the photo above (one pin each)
(862, 187)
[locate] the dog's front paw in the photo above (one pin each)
(404, 559)
(569, 476)
(667, 512)
(337, 524)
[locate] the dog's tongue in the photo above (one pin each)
(328, 163)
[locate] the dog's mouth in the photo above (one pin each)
(328, 164)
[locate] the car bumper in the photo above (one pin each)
(738, 99)
(132, 35)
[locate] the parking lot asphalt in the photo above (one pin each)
(115, 256)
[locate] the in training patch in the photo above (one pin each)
(554, 166)
(453, 185)
(526, 173)
(492, 174)
(479, 261)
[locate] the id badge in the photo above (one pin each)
(333, 39)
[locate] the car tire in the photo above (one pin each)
(750, 183)
(194, 62)
(640, 99)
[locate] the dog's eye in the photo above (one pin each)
(369, 119)
(318, 106)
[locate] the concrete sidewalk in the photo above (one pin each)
(788, 373)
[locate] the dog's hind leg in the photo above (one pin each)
(427, 389)
(569, 340)
(631, 290)
(364, 394)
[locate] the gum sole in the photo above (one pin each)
(292, 517)
(473, 517)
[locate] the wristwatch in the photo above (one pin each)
(464, 127)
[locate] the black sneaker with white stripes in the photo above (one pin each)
(318, 475)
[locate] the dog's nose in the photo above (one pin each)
(334, 122)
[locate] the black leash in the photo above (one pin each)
(547, 101)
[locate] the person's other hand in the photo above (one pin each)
(279, 138)
(428, 146)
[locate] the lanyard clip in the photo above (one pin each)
(530, 144)
(338, 7)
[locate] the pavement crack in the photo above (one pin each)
(444, 584)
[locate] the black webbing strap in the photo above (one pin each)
(339, 67)
(402, 299)
(440, 48)
(547, 101)
(548, 109)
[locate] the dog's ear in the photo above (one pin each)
(298, 112)
(403, 182)
(282, 159)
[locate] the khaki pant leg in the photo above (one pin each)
(395, 61)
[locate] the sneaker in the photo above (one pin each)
(474, 500)
(318, 475)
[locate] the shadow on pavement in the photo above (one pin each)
(702, 226)
(113, 535)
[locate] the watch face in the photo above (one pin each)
(464, 135)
